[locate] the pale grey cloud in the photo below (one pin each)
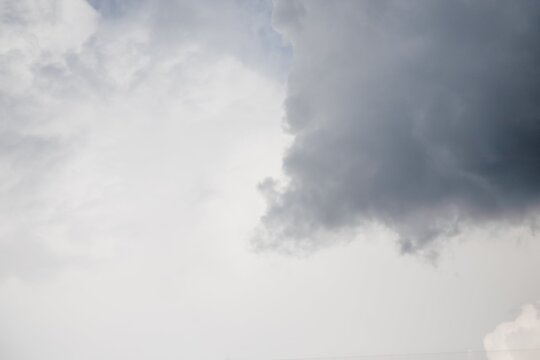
(238, 28)
(35, 136)
(419, 115)
(75, 76)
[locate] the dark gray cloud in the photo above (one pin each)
(420, 115)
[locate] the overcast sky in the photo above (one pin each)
(251, 179)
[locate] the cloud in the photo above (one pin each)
(422, 116)
(36, 42)
(238, 28)
(521, 335)
(79, 78)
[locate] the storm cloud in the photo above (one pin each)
(421, 116)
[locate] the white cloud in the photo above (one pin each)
(518, 339)
(106, 119)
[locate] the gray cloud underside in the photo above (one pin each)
(421, 115)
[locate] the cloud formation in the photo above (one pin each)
(77, 77)
(522, 335)
(418, 115)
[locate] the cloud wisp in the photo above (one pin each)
(422, 116)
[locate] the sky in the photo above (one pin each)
(248, 179)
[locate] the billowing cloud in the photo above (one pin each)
(79, 78)
(418, 115)
(241, 29)
(518, 339)
(36, 45)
